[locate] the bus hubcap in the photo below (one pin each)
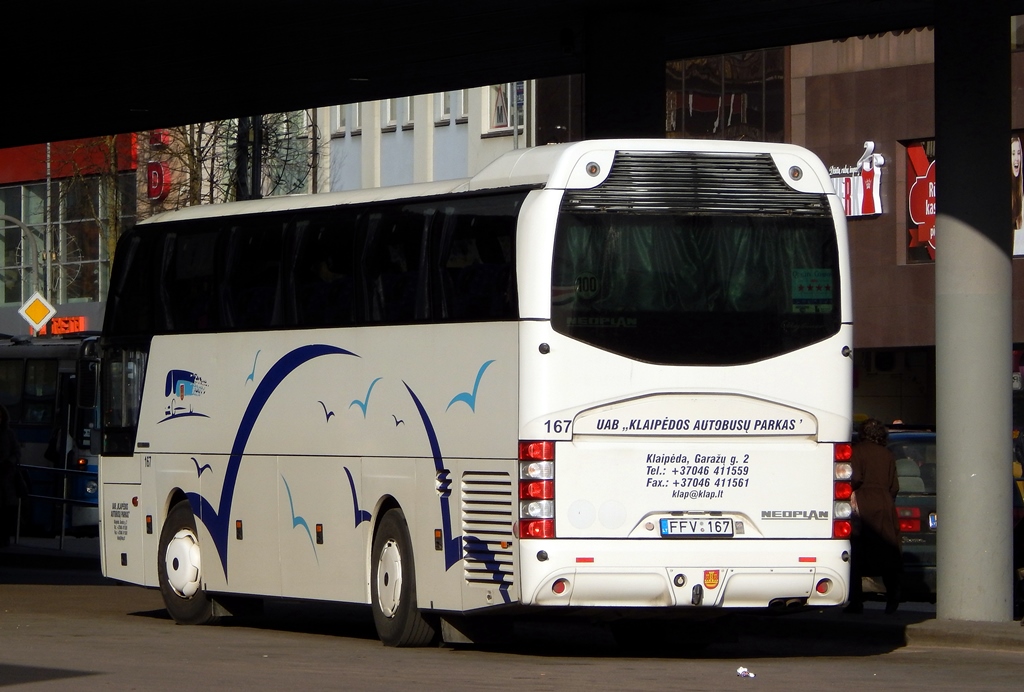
(183, 561)
(389, 578)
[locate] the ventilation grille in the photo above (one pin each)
(487, 517)
(689, 183)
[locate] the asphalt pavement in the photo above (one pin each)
(914, 624)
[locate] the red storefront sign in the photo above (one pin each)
(921, 198)
(158, 180)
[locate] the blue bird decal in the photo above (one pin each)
(398, 421)
(252, 375)
(299, 521)
(200, 469)
(360, 514)
(469, 398)
(365, 402)
(327, 413)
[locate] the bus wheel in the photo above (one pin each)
(179, 566)
(393, 586)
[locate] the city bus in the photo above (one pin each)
(53, 419)
(608, 378)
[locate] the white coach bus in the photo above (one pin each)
(609, 376)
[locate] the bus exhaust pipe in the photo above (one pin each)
(787, 603)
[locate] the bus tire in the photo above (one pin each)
(396, 615)
(179, 566)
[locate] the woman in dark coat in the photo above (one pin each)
(876, 536)
(10, 456)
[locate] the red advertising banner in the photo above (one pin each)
(920, 203)
(921, 199)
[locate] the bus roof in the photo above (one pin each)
(552, 166)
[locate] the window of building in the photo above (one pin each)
(338, 119)
(287, 151)
(464, 107)
(443, 108)
(389, 114)
(74, 223)
(408, 117)
(357, 117)
(736, 96)
(507, 105)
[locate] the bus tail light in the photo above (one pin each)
(536, 489)
(910, 519)
(842, 491)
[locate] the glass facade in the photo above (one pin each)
(74, 223)
(740, 96)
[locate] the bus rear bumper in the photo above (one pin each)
(636, 574)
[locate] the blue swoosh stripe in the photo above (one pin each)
(452, 544)
(217, 520)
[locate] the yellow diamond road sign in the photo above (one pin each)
(37, 311)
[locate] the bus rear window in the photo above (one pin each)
(691, 289)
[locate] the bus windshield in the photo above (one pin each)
(695, 289)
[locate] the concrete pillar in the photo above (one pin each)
(624, 76)
(973, 310)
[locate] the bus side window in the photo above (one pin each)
(123, 375)
(392, 266)
(476, 263)
(130, 299)
(323, 274)
(190, 281)
(251, 278)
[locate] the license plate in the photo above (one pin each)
(696, 526)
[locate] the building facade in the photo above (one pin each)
(866, 106)
(427, 137)
(63, 205)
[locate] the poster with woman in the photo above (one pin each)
(1016, 195)
(921, 198)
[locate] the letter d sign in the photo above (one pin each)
(158, 178)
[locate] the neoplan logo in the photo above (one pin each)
(799, 514)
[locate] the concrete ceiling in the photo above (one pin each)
(77, 71)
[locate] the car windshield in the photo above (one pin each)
(915, 465)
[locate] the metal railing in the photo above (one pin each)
(63, 499)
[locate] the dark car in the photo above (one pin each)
(915, 466)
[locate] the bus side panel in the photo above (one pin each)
(323, 532)
(123, 527)
(410, 485)
(286, 430)
(254, 561)
(164, 476)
